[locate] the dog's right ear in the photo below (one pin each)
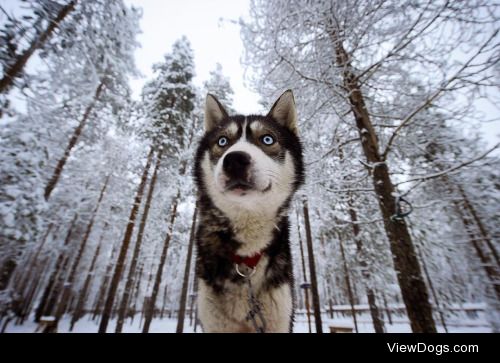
(214, 112)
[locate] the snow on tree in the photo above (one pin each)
(97, 205)
(364, 67)
(220, 87)
(82, 79)
(169, 99)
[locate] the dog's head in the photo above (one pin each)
(251, 163)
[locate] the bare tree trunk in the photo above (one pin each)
(485, 258)
(378, 323)
(108, 306)
(145, 304)
(480, 226)
(156, 287)
(349, 287)
(194, 305)
(135, 256)
(68, 285)
(185, 283)
(14, 70)
(105, 281)
(33, 291)
(387, 309)
(406, 264)
(137, 291)
(193, 298)
(72, 142)
(77, 313)
(42, 305)
(305, 287)
(312, 270)
(23, 280)
(431, 287)
(165, 294)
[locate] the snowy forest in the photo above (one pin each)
(395, 230)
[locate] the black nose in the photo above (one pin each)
(236, 164)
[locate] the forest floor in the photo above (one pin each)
(168, 325)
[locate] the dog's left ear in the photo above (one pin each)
(283, 111)
(214, 112)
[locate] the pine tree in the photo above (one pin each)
(170, 102)
(84, 78)
(220, 87)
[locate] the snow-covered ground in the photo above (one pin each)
(166, 325)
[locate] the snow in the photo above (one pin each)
(169, 325)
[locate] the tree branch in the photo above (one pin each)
(435, 95)
(453, 168)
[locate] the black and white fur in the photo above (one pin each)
(245, 185)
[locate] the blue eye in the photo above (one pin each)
(222, 141)
(267, 139)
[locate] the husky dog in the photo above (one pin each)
(247, 169)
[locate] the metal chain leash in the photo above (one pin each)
(255, 312)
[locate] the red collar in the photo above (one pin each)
(250, 261)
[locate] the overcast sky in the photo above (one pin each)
(213, 37)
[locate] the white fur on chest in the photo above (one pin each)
(228, 311)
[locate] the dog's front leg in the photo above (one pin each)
(213, 315)
(278, 309)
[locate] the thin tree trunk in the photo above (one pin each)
(33, 291)
(137, 291)
(108, 306)
(105, 281)
(486, 260)
(312, 270)
(77, 313)
(14, 70)
(150, 279)
(409, 274)
(303, 263)
(68, 285)
(72, 142)
(6, 270)
(32, 263)
(194, 305)
(387, 309)
(482, 229)
(194, 289)
(378, 323)
(431, 287)
(57, 288)
(146, 299)
(42, 305)
(159, 272)
(135, 256)
(185, 283)
(349, 287)
(165, 294)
